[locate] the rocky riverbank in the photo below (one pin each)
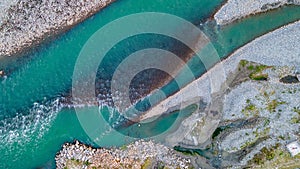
(140, 154)
(237, 9)
(266, 72)
(265, 115)
(277, 48)
(25, 23)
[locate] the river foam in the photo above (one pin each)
(21, 128)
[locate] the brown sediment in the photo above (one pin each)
(185, 53)
(155, 79)
(147, 81)
(143, 84)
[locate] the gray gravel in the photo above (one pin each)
(27, 22)
(4, 6)
(279, 125)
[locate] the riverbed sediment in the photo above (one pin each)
(26, 23)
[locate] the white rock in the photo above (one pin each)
(294, 148)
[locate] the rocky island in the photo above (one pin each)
(140, 154)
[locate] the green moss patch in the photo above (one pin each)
(259, 77)
(272, 105)
(250, 110)
(255, 70)
(265, 154)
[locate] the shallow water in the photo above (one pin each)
(33, 126)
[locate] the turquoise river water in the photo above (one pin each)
(33, 126)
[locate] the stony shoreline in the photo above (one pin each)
(261, 50)
(140, 154)
(27, 23)
(236, 9)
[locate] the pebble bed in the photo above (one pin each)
(280, 124)
(4, 6)
(27, 22)
(237, 9)
(134, 155)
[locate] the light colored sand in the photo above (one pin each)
(237, 9)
